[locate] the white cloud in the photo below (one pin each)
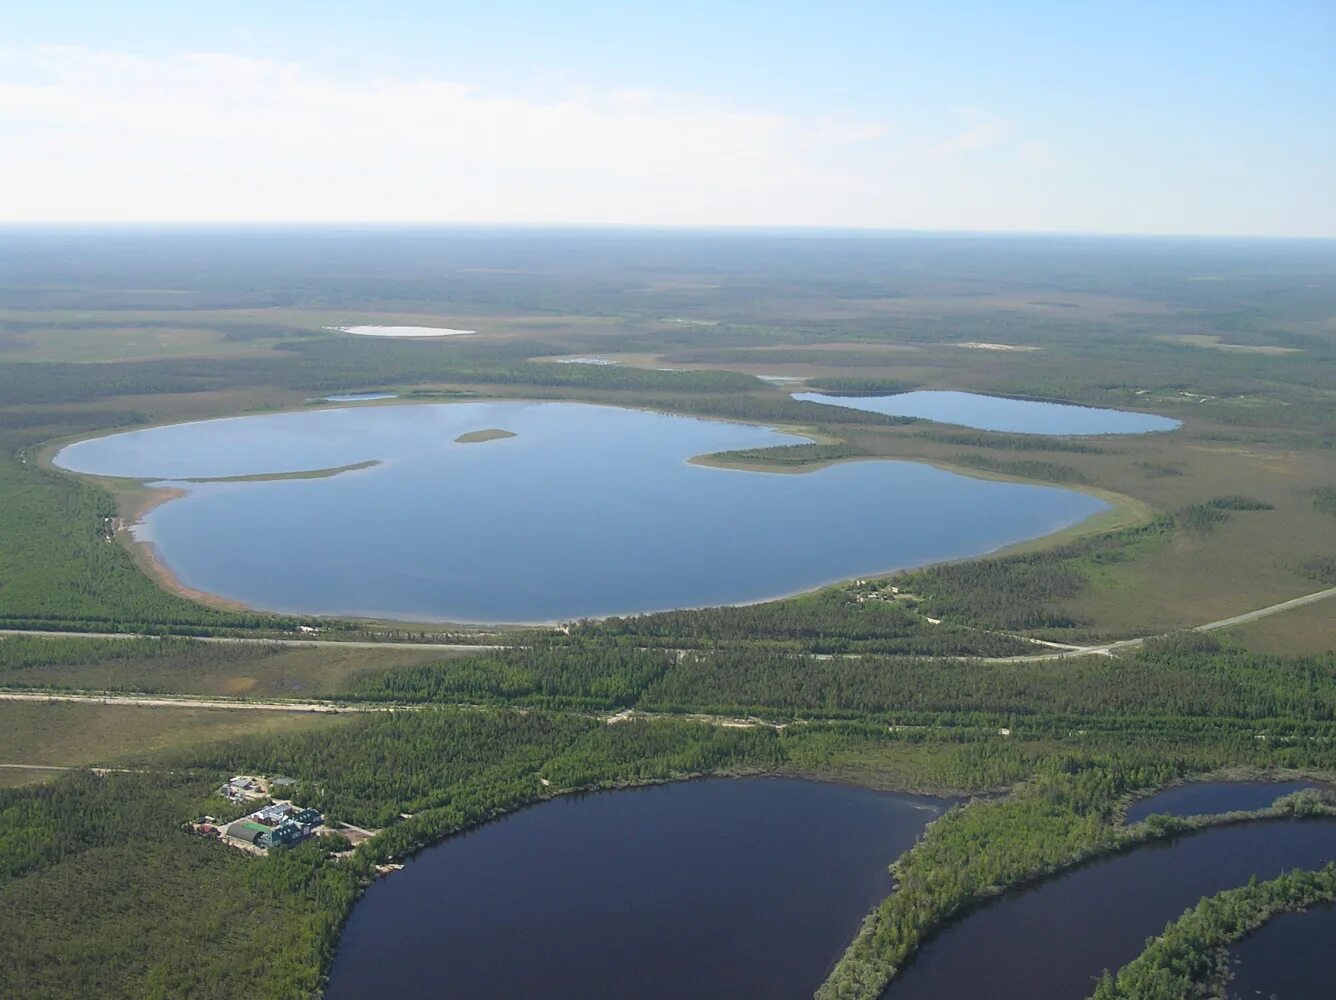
(985, 134)
(102, 136)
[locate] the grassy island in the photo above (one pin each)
(478, 437)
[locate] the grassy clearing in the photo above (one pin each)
(185, 667)
(1216, 343)
(81, 735)
(12, 777)
(1308, 630)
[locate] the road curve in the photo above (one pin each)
(1109, 648)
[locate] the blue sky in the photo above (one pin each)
(1202, 117)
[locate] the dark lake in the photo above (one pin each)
(586, 511)
(1204, 798)
(998, 413)
(1288, 958)
(1052, 941)
(717, 888)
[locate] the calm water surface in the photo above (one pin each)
(1050, 942)
(589, 510)
(403, 331)
(1204, 798)
(1289, 958)
(718, 888)
(998, 413)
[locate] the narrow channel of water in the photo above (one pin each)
(1207, 798)
(716, 888)
(1052, 941)
(1288, 958)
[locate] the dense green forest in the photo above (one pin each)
(1016, 442)
(22, 652)
(856, 618)
(1189, 676)
(849, 385)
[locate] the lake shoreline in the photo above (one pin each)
(1124, 512)
(353, 949)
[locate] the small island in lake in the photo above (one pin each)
(490, 434)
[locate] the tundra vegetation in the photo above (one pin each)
(923, 680)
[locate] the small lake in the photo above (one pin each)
(1051, 942)
(587, 510)
(1206, 798)
(1288, 958)
(359, 397)
(402, 331)
(730, 888)
(999, 413)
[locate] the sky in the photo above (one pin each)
(1210, 117)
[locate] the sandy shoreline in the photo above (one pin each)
(134, 506)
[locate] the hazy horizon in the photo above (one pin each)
(520, 226)
(1096, 119)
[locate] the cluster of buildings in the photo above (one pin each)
(279, 824)
(244, 788)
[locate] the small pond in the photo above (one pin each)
(716, 888)
(1051, 942)
(402, 331)
(359, 397)
(1206, 798)
(1288, 958)
(1000, 413)
(583, 511)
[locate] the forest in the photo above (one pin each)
(890, 682)
(1189, 676)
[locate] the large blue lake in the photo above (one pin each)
(999, 413)
(586, 511)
